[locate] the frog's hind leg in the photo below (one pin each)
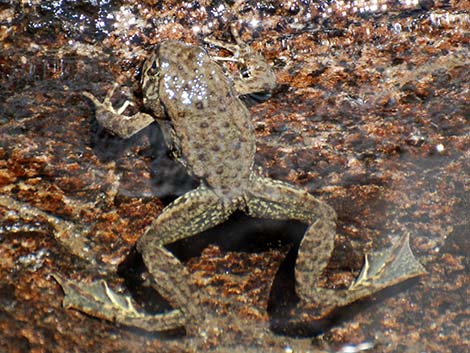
(273, 199)
(190, 214)
(278, 200)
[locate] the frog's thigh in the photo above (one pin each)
(278, 200)
(188, 215)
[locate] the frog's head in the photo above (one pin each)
(150, 83)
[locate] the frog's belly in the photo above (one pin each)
(218, 146)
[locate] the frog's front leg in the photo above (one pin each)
(113, 120)
(256, 75)
(278, 200)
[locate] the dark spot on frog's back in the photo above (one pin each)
(219, 169)
(235, 155)
(236, 145)
(191, 56)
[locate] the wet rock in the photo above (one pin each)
(371, 115)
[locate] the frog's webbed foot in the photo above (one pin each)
(382, 269)
(388, 267)
(97, 299)
(113, 120)
(256, 75)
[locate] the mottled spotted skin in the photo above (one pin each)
(211, 133)
(213, 145)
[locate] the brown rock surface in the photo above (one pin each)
(371, 115)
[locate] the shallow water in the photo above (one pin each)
(371, 115)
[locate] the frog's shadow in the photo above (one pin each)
(168, 178)
(240, 233)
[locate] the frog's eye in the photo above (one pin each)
(154, 65)
(153, 68)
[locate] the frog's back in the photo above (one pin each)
(212, 125)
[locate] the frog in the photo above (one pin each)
(210, 132)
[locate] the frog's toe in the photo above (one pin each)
(97, 299)
(106, 104)
(388, 267)
(91, 97)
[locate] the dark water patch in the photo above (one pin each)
(74, 19)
